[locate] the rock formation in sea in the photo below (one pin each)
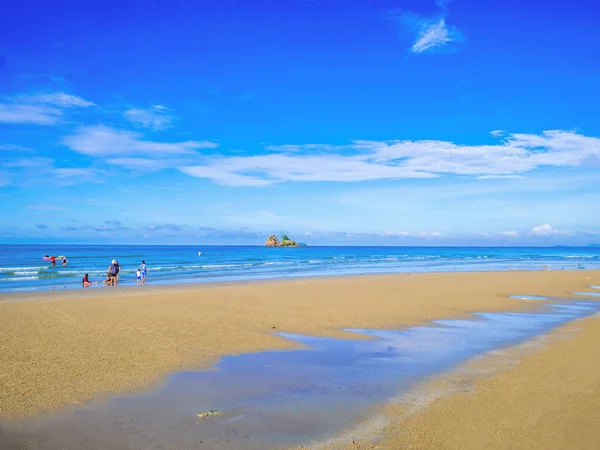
(272, 241)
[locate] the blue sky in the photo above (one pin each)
(338, 122)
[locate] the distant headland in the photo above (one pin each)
(272, 241)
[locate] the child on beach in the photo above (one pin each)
(86, 281)
(139, 277)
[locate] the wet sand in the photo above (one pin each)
(61, 348)
(534, 397)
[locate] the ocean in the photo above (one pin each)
(22, 267)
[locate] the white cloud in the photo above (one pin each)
(542, 230)
(431, 33)
(267, 169)
(58, 99)
(381, 160)
(546, 230)
(509, 233)
(101, 141)
(40, 109)
(497, 133)
(157, 117)
(434, 35)
(20, 113)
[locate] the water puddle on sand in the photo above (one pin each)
(589, 294)
(528, 297)
(287, 398)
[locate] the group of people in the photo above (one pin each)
(112, 275)
(52, 260)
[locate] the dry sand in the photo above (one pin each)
(67, 347)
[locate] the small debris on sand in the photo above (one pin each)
(212, 412)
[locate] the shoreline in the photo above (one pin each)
(194, 284)
(74, 347)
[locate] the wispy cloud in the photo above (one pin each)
(158, 117)
(386, 160)
(75, 175)
(166, 226)
(139, 163)
(431, 33)
(38, 168)
(14, 148)
(105, 229)
(58, 99)
(434, 35)
(509, 233)
(41, 226)
(20, 113)
(40, 109)
(100, 140)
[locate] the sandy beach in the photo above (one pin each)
(61, 348)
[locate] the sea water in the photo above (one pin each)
(22, 267)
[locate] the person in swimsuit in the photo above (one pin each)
(86, 281)
(64, 261)
(53, 261)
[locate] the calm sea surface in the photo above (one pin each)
(22, 267)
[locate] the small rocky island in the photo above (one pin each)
(272, 241)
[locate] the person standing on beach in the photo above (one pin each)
(112, 272)
(144, 271)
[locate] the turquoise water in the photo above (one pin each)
(22, 268)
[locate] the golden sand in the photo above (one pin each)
(67, 347)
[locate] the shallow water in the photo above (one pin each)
(528, 297)
(293, 397)
(22, 268)
(589, 294)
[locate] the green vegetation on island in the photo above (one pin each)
(272, 241)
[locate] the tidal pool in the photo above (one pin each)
(528, 297)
